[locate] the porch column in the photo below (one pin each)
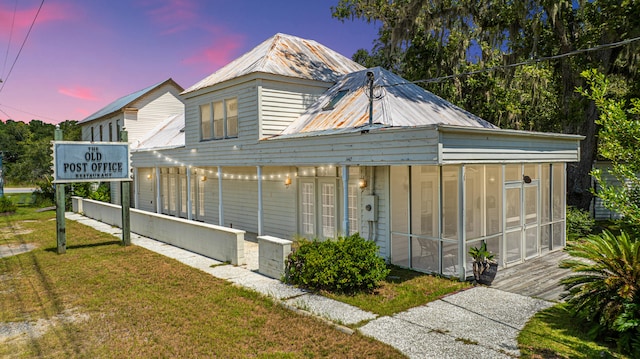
(345, 199)
(260, 212)
(220, 206)
(158, 191)
(136, 188)
(462, 258)
(189, 194)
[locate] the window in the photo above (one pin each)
(353, 209)
(219, 119)
(205, 122)
(92, 135)
(335, 99)
(101, 133)
(110, 132)
(118, 129)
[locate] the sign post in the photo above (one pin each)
(91, 162)
(61, 228)
(125, 201)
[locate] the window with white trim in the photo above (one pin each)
(219, 119)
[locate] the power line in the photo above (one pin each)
(13, 21)
(22, 46)
(39, 117)
(522, 63)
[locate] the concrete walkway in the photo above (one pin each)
(477, 323)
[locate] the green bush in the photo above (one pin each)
(606, 287)
(7, 205)
(579, 223)
(346, 265)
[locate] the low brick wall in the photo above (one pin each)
(272, 255)
(217, 242)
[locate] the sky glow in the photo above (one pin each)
(81, 55)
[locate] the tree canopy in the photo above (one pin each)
(425, 40)
(26, 148)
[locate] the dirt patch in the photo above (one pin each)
(7, 250)
(20, 331)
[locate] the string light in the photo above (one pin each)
(241, 176)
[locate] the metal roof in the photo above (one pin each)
(168, 134)
(285, 55)
(126, 101)
(397, 103)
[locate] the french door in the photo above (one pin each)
(318, 207)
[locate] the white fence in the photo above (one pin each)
(217, 242)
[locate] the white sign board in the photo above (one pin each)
(91, 162)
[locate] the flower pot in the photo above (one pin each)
(488, 275)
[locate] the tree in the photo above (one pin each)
(425, 39)
(618, 142)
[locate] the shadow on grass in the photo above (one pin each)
(566, 331)
(91, 245)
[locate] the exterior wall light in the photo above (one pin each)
(362, 183)
(149, 176)
(203, 178)
(526, 179)
(287, 181)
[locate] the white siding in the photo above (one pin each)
(152, 110)
(281, 103)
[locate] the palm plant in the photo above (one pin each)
(606, 287)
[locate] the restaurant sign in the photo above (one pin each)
(91, 162)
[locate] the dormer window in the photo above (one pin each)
(219, 119)
(335, 99)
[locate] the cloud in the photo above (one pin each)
(221, 52)
(21, 19)
(83, 93)
(174, 15)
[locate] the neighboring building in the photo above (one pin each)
(286, 141)
(138, 113)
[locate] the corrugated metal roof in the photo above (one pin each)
(288, 56)
(168, 134)
(397, 104)
(125, 101)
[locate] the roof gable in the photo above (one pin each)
(397, 103)
(285, 55)
(126, 101)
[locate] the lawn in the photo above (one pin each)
(101, 299)
(554, 333)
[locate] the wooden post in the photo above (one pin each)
(125, 195)
(61, 230)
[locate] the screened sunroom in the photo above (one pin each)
(439, 212)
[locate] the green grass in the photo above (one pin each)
(133, 303)
(402, 290)
(555, 333)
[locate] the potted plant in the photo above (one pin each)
(484, 266)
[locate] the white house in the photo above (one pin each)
(138, 113)
(293, 138)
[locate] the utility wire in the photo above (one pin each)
(522, 63)
(6, 55)
(27, 112)
(22, 46)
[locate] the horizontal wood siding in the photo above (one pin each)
(246, 93)
(279, 206)
(382, 225)
(281, 103)
(496, 147)
(153, 110)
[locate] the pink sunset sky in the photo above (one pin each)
(82, 55)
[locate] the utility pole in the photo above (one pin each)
(125, 200)
(60, 206)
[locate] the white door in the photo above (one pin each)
(522, 239)
(318, 209)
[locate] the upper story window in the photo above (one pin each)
(219, 119)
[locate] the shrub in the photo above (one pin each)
(348, 264)
(606, 288)
(7, 205)
(579, 223)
